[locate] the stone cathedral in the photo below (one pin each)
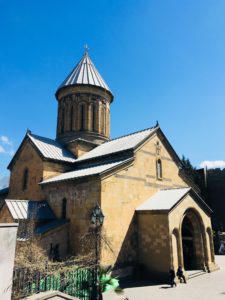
(155, 218)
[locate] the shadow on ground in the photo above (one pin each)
(131, 283)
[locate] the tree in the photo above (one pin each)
(189, 169)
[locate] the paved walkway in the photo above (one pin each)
(210, 286)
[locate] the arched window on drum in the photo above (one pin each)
(64, 208)
(93, 112)
(63, 120)
(82, 118)
(103, 115)
(71, 118)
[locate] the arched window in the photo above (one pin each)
(71, 119)
(93, 118)
(63, 120)
(82, 109)
(59, 120)
(159, 169)
(103, 120)
(25, 179)
(64, 206)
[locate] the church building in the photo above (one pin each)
(154, 216)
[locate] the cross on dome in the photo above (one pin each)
(86, 48)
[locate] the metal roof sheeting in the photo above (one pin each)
(85, 172)
(85, 72)
(41, 229)
(164, 199)
(28, 209)
(51, 149)
(120, 144)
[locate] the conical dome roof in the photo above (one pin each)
(85, 73)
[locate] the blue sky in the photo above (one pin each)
(164, 60)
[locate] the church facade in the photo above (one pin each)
(155, 218)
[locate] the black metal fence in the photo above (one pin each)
(79, 282)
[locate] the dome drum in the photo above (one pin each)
(82, 89)
(85, 116)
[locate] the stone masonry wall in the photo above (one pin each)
(57, 236)
(30, 159)
(5, 216)
(154, 243)
(51, 169)
(82, 197)
(126, 190)
(38, 170)
(79, 148)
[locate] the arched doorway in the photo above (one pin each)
(192, 241)
(188, 245)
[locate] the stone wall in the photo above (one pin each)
(29, 159)
(154, 244)
(51, 169)
(5, 215)
(123, 192)
(58, 236)
(79, 147)
(81, 197)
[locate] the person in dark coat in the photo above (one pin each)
(180, 275)
(172, 277)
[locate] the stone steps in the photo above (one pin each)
(195, 273)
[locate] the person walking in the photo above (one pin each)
(172, 277)
(180, 275)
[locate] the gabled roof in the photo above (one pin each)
(48, 148)
(120, 144)
(28, 209)
(51, 149)
(167, 199)
(164, 199)
(53, 295)
(85, 73)
(91, 171)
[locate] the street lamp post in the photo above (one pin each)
(97, 218)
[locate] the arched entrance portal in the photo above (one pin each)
(192, 241)
(188, 245)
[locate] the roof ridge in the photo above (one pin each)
(119, 144)
(39, 136)
(139, 131)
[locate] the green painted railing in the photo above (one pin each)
(78, 282)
